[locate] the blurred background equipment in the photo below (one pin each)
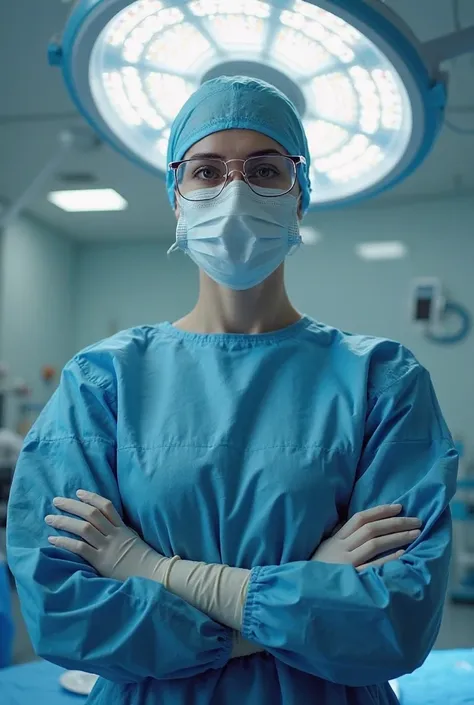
(428, 301)
(10, 447)
(10, 441)
(463, 556)
(435, 312)
(462, 584)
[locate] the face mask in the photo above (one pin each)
(238, 238)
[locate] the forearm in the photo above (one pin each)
(72, 618)
(123, 631)
(347, 627)
(119, 553)
(216, 590)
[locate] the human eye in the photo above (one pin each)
(208, 171)
(263, 170)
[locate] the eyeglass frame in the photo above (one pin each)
(297, 161)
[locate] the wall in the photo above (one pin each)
(36, 311)
(330, 283)
(124, 285)
(129, 284)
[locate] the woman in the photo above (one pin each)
(217, 456)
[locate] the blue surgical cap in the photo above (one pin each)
(238, 102)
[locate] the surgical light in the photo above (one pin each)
(371, 96)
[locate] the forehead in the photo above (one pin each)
(234, 144)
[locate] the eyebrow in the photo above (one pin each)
(260, 153)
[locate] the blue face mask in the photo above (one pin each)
(238, 238)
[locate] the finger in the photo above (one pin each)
(101, 503)
(336, 530)
(373, 548)
(368, 515)
(381, 527)
(74, 526)
(92, 515)
(381, 561)
(78, 547)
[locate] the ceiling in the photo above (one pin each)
(35, 107)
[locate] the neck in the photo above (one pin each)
(263, 309)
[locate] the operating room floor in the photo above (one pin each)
(457, 631)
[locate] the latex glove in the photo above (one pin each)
(114, 550)
(367, 535)
(217, 590)
(117, 552)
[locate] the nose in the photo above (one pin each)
(236, 175)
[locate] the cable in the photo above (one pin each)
(463, 331)
(457, 15)
(17, 206)
(81, 140)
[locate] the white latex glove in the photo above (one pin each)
(217, 590)
(114, 550)
(367, 535)
(117, 552)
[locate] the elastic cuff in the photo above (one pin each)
(249, 618)
(166, 579)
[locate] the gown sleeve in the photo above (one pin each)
(124, 632)
(364, 628)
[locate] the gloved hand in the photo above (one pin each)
(117, 552)
(367, 535)
(114, 550)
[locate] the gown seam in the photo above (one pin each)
(282, 446)
(83, 441)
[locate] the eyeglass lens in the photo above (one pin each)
(201, 179)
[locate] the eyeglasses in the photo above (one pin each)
(203, 179)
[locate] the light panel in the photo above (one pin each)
(178, 48)
(168, 93)
(358, 97)
(325, 138)
(238, 31)
(330, 21)
(293, 51)
(120, 30)
(88, 200)
(375, 251)
(334, 98)
(211, 8)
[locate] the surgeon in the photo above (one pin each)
(245, 505)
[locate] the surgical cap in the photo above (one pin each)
(238, 102)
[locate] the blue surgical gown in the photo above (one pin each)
(246, 450)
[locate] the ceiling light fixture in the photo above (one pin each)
(371, 96)
(373, 251)
(88, 200)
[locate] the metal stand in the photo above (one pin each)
(80, 139)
